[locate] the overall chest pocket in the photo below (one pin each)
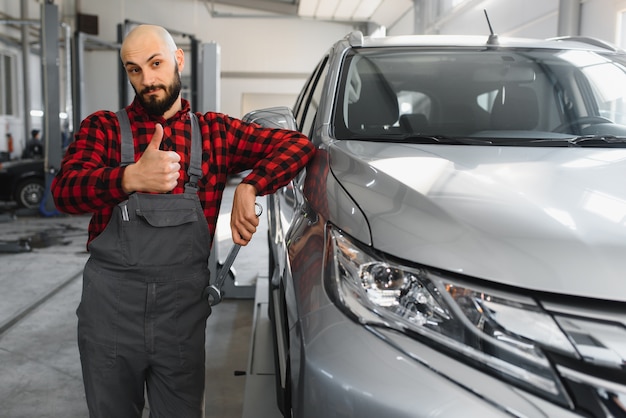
(158, 230)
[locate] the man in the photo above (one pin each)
(155, 201)
(34, 146)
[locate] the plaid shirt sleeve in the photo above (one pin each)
(274, 156)
(90, 178)
(231, 146)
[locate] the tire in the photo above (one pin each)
(283, 395)
(29, 193)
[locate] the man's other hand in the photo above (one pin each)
(243, 218)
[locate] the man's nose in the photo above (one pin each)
(149, 78)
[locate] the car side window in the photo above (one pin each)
(311, 101)
(299, 107)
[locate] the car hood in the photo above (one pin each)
(20, 164)
(542, 218)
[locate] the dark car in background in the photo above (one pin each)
(457, 246)
(22, 182)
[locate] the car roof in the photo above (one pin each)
(356, 39)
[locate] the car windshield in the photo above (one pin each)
(499, 95)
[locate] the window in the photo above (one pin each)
(314, 103)
(414, 102)
(300, 105)
(621, 29)
(7, 84)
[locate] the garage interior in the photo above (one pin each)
(59, 65)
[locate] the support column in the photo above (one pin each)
(51, 95)
(209, 71)
(569, 18)
(124, 98)
(419, 18)
(26, 71)
(195, 79)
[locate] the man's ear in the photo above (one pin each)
(180, 59)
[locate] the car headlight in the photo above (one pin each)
(502, 333)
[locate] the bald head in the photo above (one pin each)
(145, 36)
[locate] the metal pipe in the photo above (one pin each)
(26, 73)
(79, 79)
(69, 108)
(23, 22)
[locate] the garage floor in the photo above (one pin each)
(41, 261)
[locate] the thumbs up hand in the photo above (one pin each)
(156, 171)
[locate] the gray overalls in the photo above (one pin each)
(143, 311)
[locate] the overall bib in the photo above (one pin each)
(143, 312)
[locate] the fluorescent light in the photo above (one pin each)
(339, 9)
(39, 114)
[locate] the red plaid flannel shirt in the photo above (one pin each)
(90, 179)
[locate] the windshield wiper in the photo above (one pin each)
(604, 141)
(598, 141)
(441, 139)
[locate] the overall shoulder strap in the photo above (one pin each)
(195, 159)
(128, 145)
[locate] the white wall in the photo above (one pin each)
(523, 18)
(599, 19)
(404, 26)
(508, 18)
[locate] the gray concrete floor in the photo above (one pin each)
(40, 373)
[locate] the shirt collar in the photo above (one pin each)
(141, 112)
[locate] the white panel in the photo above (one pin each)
(366, 9)
(307, 8)
(326, 8)
(346, 8)
(391, 10)
(255, 101)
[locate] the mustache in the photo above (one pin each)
(153, 88)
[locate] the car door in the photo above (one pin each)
(289, 218)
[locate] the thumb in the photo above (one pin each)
(157, 137)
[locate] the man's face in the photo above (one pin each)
(154, 72)
(158, 98)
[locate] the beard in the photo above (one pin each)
(155, 106)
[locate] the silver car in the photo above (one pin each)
(457, 247)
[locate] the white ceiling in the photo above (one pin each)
(380, 12)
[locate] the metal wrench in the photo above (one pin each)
(214, 291)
